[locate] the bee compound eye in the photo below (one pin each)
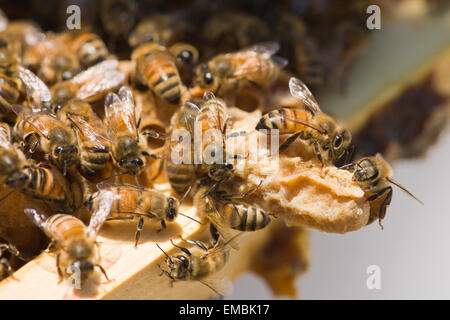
(186, 56)
(338, 141)
(208, 77)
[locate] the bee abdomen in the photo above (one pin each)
(93, 161)
(9, 93)
(163, 78)
(92, 51)
(246, 218)
(180, 176)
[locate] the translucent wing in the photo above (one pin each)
(300, 90)
(41, 124)
(223, 287)
(39, 219)
(214, 116)
(266, 49)
(98, 217)
(98, 79)
(120, 116)
(37, 90)
(5, 137)
(90, 132)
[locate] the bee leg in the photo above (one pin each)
(317, 152)
(151, 155)
(185, 250)
(7, 267)
(13, 250)
(138, 231)
(103, 271)
(196, 243)
(384, 205)
(58, 267)
(289, 140)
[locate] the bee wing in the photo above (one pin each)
(109, 185)
(99, 216)
(223, 287)
(37, 90)
(213, 120)
(99, 78)
(39, 219)
(266, 49)
(299, 90)
(3, 21)
(5, 139)
(90, 132)
(38, 124)
(120, 113)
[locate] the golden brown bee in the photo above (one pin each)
(12, 160)
(155, 67)
(186, 57)
(89, 48)
(51, 60)
(374, 176)
(40, 130)
(75, 241)
(198, 264)
(89, 85)
(164, 29)
(181, 175)
(131, 202)
(252, 67)
(222, 210)
(92, 135)
(21, 34)
(329, 140)
(128, 146)
(10, 85)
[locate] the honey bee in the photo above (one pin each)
(10, 85)
(12, 160)
(92, 135)
(155, 67)
(374, 176)
(51, 60)
(329, 140)
(21, 34)
(131, 202)
(89, 48)
(222, 210)
(38, 127)
(181, 175)
(75, 241)
(186, 57)
(198, 264)
(128, 146)
(164, 29)
(89, 85)
(253, 67)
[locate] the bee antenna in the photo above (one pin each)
(185, 215)
(165, 253)
(185, 195)
(391, 180)
(348, 165)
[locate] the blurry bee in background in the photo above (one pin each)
(6, 269)
(75, 241)
(89, 85)
(229, 31)
(89, 47)
(131, 202)
(163, 29)
(38, 127)
(181, 175)
(198, 264)
(51, 60)
(10, 85)
(328, 139)
(128, 146)
(92, 135)
(118, 18)
(155, 67)
(12, 160)
(3, 21)
(374, 176)
(186, 57)
(252, 67)
(21, 34)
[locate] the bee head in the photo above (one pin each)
(82, 268)
(17, 179)
(340, 143)
(179, 266)
(132, 164)
(205, 78)
(365, 171)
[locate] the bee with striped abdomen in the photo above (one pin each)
(89, 48)
(10, 85)
(155, 67)
(374, 176)
(131, 202)
(128, 145)
(328, 139)
(253, 67)
(92, 135)
(75, 241)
